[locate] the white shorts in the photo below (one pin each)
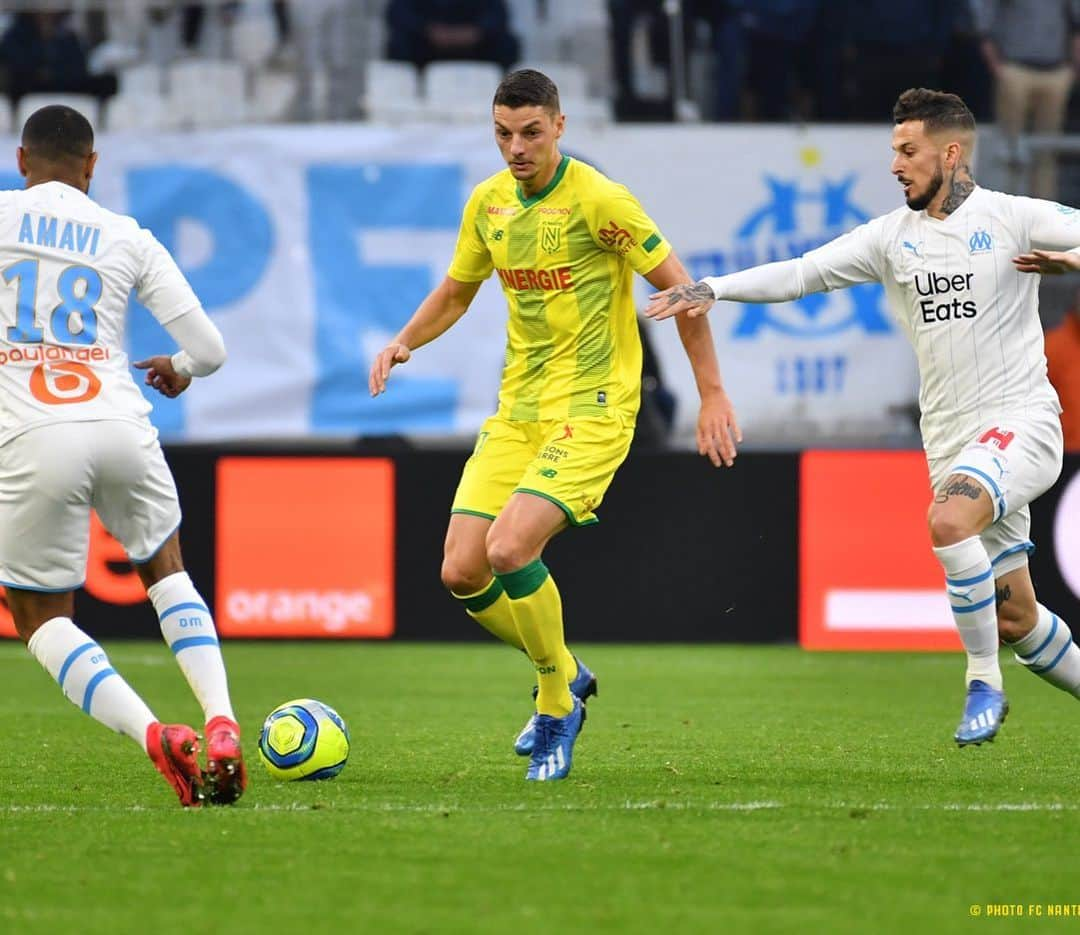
(1015, 460)
(50, 478)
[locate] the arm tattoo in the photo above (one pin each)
(959, 189)
(960, 487)
(696, 293)
(1002, 595)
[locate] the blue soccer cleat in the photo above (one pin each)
(584, 686)
(553, 751)
(984, 713)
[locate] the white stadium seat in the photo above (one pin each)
(275, 96)
(460, 91)
(136, 112)
(391, 92)
(207, 93)
(83, 103)
(146, 79)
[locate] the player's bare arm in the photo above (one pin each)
(444, 305)
(717, 428)
(162, 375)
(692, 299)
(1047, 262)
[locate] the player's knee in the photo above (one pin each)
(506, 553)
(459, 578)
(947, 527)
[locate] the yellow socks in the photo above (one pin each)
(490, 607)
(537, 610)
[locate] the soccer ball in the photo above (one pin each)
(304, 739)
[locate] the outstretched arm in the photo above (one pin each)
(772, 282)
(849, 259)
(445, 304)
(717, 430)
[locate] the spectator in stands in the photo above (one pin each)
(1063, 367)
(964, 71)
(777, 33)
(894, 46)
(721, 17)
(1030, 47)
(422, 31)
(195, 17)
(42, 54)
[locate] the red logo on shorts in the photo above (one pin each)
(999, 438)
(567, 432)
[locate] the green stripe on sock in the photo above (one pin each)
(524, 581)
(482, 600)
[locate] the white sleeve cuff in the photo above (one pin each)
(181, 362)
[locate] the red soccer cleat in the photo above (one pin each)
(174, 750)
(226, 776)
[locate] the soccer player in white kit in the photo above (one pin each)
(954, 264)
(74, 435)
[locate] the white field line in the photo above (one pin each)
(628, 806)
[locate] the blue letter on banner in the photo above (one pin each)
(353, 297)
(242, 241)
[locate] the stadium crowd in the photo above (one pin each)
(757, 60)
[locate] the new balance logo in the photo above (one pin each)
(556, 760)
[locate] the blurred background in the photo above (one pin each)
(306, 161)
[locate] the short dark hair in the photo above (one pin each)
(938, 110)
(527, 88)
(58, 133)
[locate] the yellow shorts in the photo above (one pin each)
(570, 463)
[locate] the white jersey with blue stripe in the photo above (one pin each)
(972, 318)
(67, 269)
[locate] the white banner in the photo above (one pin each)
(310, 246)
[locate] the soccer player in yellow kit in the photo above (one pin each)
(565, 242)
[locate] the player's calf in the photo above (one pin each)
(1049, 652)
(189, 631)
(969, 581)
(82, 669)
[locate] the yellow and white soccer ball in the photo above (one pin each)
(304, 739)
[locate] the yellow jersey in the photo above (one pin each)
(566, 258)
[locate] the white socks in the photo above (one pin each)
(970, 585)
(1049, 651)
(81, 667)
(189, 631)
(83, 671)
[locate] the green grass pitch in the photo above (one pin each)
(715, 789)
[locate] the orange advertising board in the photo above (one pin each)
(868, 579)
(305, 547)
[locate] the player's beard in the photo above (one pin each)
(920, 202)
